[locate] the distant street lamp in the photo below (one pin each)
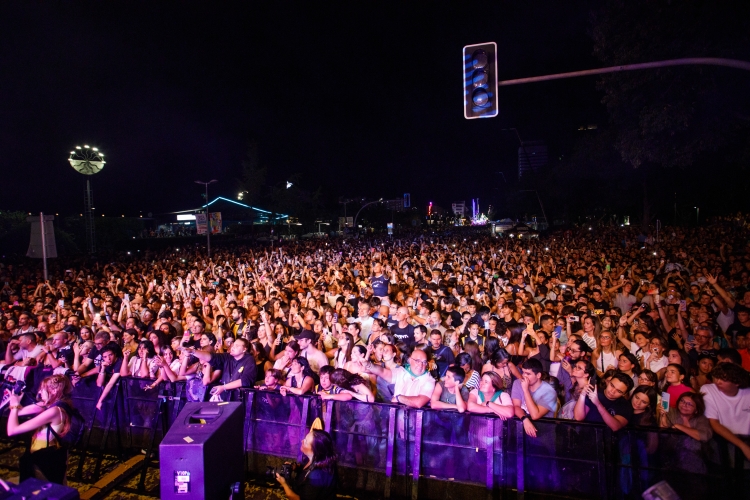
(208, 222)
(319, 223)
(697, 215)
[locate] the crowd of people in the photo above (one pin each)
(594, 324)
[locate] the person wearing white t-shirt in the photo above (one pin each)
(655, 360)
(728, 405)
(28, 351)
(413, 385)
(364, 319)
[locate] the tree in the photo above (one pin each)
(253, 177)
(674, 116)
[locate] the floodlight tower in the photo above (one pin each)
(88, 161)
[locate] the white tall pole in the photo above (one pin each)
(44, 244)
(208, 225)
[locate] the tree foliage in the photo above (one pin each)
(300, 200)
(673, 116)
(253, 177)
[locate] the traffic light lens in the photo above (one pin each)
(480, 98)
(479, 63)
(479, 78)
(479, 59)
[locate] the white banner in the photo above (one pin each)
(201, 224)
(35, 243)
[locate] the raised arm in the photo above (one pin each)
(724, 295)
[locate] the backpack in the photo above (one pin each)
(76, 430)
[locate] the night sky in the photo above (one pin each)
(361, 98)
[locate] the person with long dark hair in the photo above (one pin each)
(353, 384)
(301, 378)
(317, 476)
(500, 363)
(143, 364)
(46, 458)
(581, 375)
(644, 403)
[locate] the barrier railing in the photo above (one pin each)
(566, 458)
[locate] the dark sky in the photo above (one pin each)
(361, 98)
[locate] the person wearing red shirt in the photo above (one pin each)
(674, 376)
(742, 348)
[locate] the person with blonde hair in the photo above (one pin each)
(46, 458)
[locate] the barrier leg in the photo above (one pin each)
(499, 444)
(107, 426)
(248, 397)
(389, 451)
(149, 448)
(85, 442)
(520, 435)
(416, 461)
(490, 463)
(303, 423)
(603, 445)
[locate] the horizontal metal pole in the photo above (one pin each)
(710, 61)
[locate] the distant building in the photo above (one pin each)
(532, 156)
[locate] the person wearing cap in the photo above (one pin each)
(315, 357)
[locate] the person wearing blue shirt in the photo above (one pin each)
(379, 282)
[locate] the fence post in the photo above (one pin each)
(520, 436)
(490, 463)
(603, 446)
(303, 422)
(417, 457)
(389, 451)
(328, 412)
(248, 398)
(115, 395)
(500, 444)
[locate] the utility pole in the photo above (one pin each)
(344, 202)
(208, 221)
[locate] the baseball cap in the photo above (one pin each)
(306, 334)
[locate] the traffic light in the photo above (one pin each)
(480, 80)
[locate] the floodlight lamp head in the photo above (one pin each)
(86, 160)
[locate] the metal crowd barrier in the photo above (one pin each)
(566, 458)
(132, 418)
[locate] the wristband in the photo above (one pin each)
(398, 399)
(15, 407)
(524, 418)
